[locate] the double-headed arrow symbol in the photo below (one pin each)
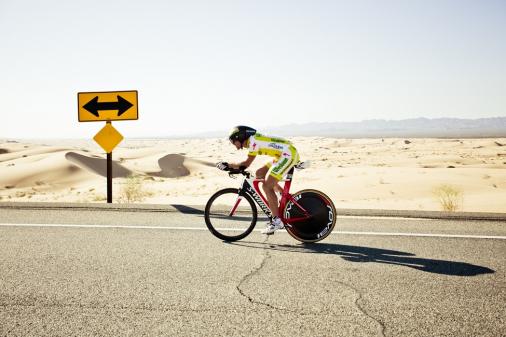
(94, 106)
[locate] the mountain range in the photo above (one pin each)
(381, 128)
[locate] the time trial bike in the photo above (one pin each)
(230, 214)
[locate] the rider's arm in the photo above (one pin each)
(245, 163)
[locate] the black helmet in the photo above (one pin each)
(241, 133)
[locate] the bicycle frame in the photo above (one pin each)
(251, 186)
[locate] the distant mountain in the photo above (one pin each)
(380, 128)
(418, 127)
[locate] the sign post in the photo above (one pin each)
(109, 178)
(107, 106)
(108, 138)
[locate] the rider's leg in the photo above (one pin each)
(275, 174)
(260, 174)
(272, 198)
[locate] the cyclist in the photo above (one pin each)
(285, 157)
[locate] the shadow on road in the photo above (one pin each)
(376, 255)
(188, 209)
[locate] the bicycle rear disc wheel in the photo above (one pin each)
(321, 220)
(230, 216)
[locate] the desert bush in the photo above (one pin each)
(99, 197)
(449, 197)
(132, 190)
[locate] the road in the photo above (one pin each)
(100, 272)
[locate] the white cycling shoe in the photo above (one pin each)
(273, 226)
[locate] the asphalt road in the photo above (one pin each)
(86, 272)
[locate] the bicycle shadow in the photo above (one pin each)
(377, 255)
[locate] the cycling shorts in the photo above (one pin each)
(280, 166)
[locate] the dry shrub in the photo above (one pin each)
(99, 197)
(450, 197)
(132, 190)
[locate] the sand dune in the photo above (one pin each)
(50, 173)
(28, 151)
(97, 165)
(171, 167)
(177, 166)
(355, 173)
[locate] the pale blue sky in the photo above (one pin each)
(208, 65)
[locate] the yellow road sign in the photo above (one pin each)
(107, 106)
(108, 138)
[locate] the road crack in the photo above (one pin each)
(255, 271)
(381, 325)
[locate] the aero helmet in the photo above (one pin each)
(241, 133)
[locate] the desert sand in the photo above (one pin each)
(356, 173)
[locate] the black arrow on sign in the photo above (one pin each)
(121, 105)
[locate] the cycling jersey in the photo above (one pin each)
(284, 153)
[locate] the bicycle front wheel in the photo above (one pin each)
(229, 215)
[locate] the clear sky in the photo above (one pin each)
(208, 65)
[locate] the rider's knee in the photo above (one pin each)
(270, 183)
(260, 173)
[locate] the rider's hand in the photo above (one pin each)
(223, 166)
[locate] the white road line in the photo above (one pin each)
(368, 217)
(434, 235)
(103, 226)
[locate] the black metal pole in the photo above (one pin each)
(109, 178)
